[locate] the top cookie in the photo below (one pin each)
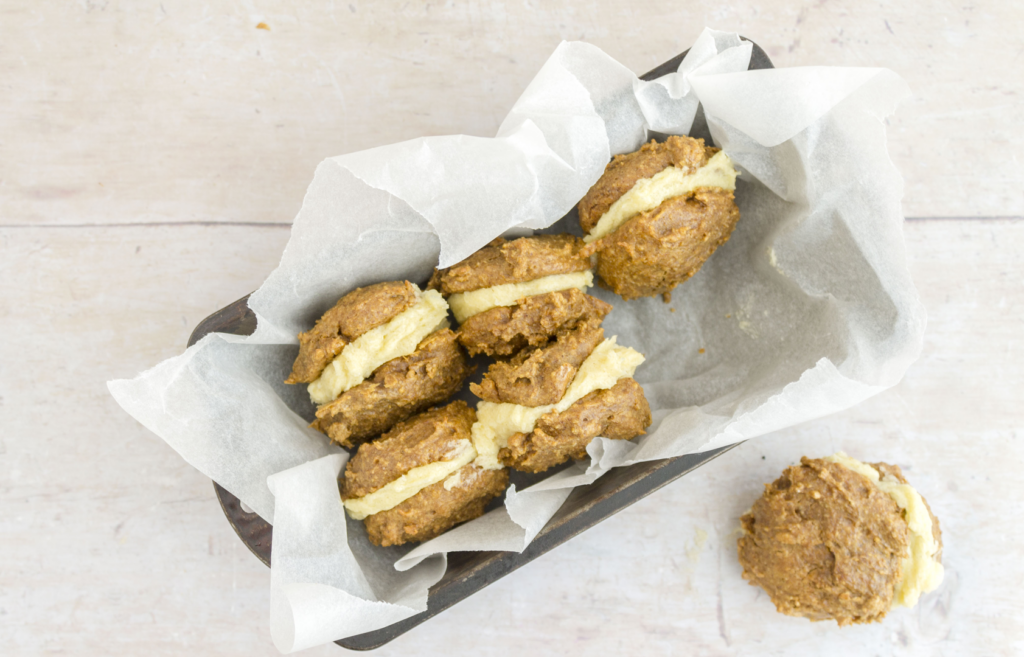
(424, 439)
(658, 214)
(357, 312)
(625, 170)
(516, 261)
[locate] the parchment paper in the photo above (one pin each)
(808, 309)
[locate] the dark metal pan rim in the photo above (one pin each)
(468, 572)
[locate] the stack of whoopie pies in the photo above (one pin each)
(380, 363)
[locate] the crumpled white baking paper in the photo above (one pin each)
(807, 310)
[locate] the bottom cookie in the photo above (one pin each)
(618, 413)
(418, 480)
(395, 391)
(438, 507)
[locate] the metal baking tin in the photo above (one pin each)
(468, 572)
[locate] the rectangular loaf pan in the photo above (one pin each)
(468, 572)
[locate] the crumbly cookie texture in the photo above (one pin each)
(535, 377)
(657, 250)
(437, 508)
(825, 543)
(532, 322)
(357, 312)
(396, 390)
(399, 490)
(606, 366)
(649, 193)
(623, 172)
(466, 305)
(398, 337)
(656, 215)
(418, 480)
(516, 261)
(617, 413)
(922, 566)
(424, 439)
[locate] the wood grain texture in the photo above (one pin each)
(173, 111)
(105, 530)
(112, 543)
(154, 154)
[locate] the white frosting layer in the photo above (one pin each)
(466, 304)
(411, 483)
(454, 480)
(496, 423)
(395, 339)
(922, 572)
(648, 193)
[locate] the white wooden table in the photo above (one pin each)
(152, 156)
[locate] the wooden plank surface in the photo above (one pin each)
(177, 111)
(111, 540)
(152, 157)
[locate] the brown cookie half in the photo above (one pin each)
(505, 330)
(426, 438)
(357, 312)
(657, 250)
(396, 390)
(536, 377)
(436, 509)
(826, 543)
(625, 170)
(516, 261)
(617, 413)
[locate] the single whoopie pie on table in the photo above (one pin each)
(657, 214)
(381, 354)
(839, 539)
(419, 480)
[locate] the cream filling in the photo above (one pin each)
(496, 423)
(397, 338)
(922, 572)
(411, 483)
(454, 481)
(466, 304)
(648, 193)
